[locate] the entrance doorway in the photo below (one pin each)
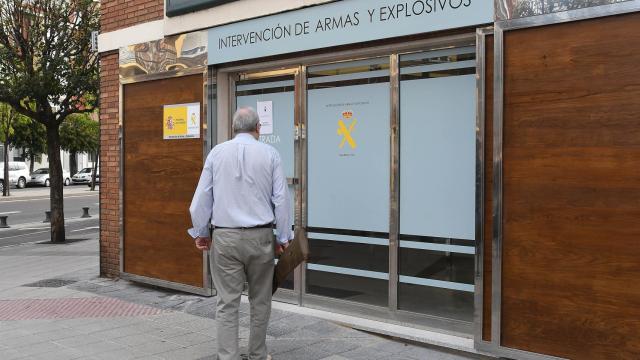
(380, 153)
(273, 95)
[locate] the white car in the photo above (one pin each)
(41, 177)
(83, 176)
(18, 174)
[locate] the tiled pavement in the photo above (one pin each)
(85, 317)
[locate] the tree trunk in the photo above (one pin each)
(95, 170)
(5, 176)
(32, 159)
(73, 162)
(56, 182)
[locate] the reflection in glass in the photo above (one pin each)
(512, 9)
(362, 269)
(445, 303)
(347, 287)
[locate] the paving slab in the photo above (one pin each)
(125, 320)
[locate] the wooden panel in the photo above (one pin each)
(488, 190)
(160, 177)
(571, 250)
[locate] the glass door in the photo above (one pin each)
(380, 154)
(348, 107)
(437, 183)
(273, 95)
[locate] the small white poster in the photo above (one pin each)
(265, 113)
(193, 126)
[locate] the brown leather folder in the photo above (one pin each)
(293, 255)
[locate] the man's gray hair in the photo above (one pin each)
(245, 120)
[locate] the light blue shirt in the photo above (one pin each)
(242, 185)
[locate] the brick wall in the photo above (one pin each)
(118, 14)
(109, 166)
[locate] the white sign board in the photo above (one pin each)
(265, 113)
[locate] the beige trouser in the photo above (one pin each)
(240, 255)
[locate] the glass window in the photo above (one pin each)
(348, 180)
(437, 182)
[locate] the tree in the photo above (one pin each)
(8, 117)
(30, 136)
(524, 8)
(47, 72)
(78, 134)
(95, 167)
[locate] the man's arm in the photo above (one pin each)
(202, 204)
(280, 199)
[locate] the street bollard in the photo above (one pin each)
(85, 213)
(47, 217)
(3, 222)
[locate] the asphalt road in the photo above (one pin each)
(25, 210)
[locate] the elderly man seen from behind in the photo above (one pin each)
(243, 193)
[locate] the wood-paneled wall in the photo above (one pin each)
(571, 246)
(160, 177)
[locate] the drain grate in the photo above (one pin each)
(51, 283)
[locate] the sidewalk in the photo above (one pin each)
(43, 192)
(54, 306)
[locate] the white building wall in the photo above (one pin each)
(83, 160)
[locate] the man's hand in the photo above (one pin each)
(280, 248)
(203, 243)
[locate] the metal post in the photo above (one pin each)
(85, 213)
(394, 190)
(47, 216)
(3, 222)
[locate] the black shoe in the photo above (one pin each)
(246, 357)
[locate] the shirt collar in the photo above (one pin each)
(245, 138)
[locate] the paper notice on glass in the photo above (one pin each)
(265, 113)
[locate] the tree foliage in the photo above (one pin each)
(8, 119)
(46, 59)
(79, 133)
(526, 8)
(31, 136)
(47, 72)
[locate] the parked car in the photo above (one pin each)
(18, 174)
(83, 176)
(41, 177)
(97, 180)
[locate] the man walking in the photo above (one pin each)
(242, 192)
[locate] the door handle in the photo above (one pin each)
(292, 181)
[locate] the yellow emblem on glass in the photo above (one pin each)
(346, 132)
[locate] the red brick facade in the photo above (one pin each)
(109, 166)
(118, 14)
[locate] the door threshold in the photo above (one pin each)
(427, 337)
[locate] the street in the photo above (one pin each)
(25, 211)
